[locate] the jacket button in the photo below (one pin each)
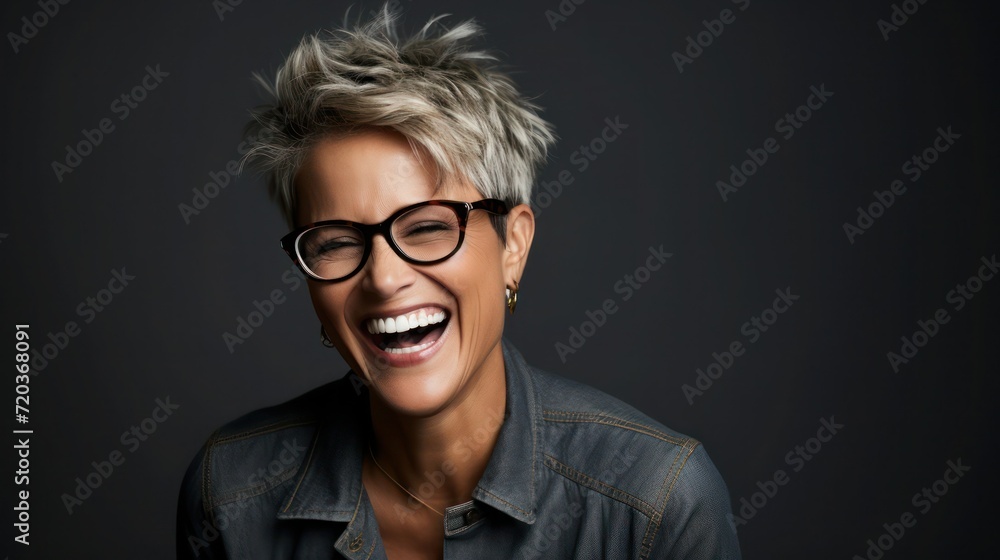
(356, 543)
(472, 516)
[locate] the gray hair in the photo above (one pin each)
(449, 101)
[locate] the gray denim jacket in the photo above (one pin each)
(575, 474)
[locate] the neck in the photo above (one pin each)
(441, 457)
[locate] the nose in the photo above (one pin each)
(386, 273)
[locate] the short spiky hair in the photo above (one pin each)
(447, 99)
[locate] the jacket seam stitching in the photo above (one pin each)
(654, 523)
(533, 404)
(615, 421)
(256, 490)
(305, 471)
(270, 428)
(206, 482)
(324, 511)
(600, 487)
(670, 490)
(505, 501)
(208, 498)
(354, 515)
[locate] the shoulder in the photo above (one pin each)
(613, 450)
(261, 450)
(580, 412)
(251, 462)
(598, 439)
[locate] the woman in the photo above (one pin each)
(404, 169)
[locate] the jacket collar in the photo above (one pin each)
(330, 487)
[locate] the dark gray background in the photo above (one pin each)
(655, 185)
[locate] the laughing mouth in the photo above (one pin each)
(407, 333)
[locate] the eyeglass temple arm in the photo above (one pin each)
(491, 205)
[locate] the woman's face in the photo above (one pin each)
(364, 178)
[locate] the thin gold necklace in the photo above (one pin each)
(398, 484)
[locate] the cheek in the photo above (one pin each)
(475, 276)
(481, 254)
(327, 301)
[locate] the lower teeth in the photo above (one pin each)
(409, 349)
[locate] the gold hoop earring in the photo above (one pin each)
(512, 297)
(324, 339)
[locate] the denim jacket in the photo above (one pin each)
(575, 474)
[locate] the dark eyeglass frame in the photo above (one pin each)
(289, 242)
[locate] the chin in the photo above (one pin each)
(418, 391)
(419, 382)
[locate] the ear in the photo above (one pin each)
(520, 232)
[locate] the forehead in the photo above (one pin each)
(365, 177)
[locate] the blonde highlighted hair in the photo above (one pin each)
(448, 99)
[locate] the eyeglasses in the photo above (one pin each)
(423, 233)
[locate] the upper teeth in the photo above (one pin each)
(404, 323)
